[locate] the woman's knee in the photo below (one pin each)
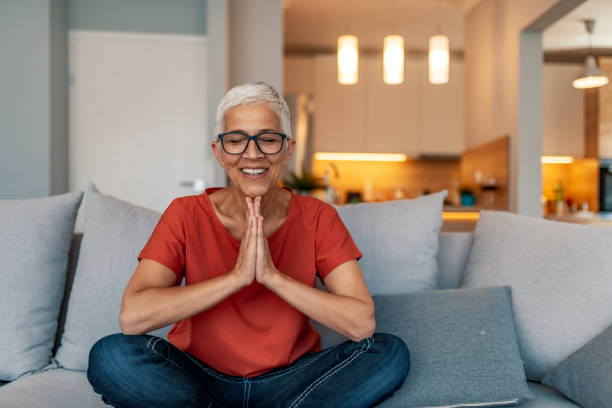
(109, 355)
(394, 352)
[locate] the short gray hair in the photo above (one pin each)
(245, 94)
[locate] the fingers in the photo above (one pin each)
(257, 205)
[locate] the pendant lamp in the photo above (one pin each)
(348, 60)
(592, 77)
(438, 59)
(393, 59)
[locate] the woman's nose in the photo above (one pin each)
(252, 151)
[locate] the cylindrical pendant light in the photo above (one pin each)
(393, 59)
(348, 60)
(438, 59)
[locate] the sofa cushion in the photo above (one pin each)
(56, 388)
(546, 397)
(115, 232)
(35, 239)
(398, 240)
(586, 375)
(463, 347)
(560, 279)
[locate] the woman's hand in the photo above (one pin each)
(264, 267)
(245, 268)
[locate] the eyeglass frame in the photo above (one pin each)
(254, 138)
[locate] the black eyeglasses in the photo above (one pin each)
(237, 142)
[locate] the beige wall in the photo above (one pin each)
(491, 62)
(492, 37)
(256, 42)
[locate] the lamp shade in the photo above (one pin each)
(348, 60)
(438, 59)
(592, 76)
(393, 59)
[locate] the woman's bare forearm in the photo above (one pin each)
(152, 308)
(352, 317)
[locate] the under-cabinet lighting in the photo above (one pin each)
(556, 159)
(461, 215)
(382, 157)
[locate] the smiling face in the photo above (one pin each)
(252, 172)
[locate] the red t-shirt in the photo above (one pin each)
(254, 330)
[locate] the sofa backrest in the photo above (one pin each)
(452, 257)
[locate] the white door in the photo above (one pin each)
(138, 121)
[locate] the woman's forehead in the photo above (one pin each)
(251, 116)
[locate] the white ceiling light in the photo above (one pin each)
(592, 77)
(348, 60)
(393, 59)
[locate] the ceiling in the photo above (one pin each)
(569, 32)
(316, 24)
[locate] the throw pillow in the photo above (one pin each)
(398, 240)
(560, 279)
(463, 346)
(115, 232)
(586, 375)
(35, 237)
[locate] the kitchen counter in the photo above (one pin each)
(582, 218)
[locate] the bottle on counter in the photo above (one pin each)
(559, 200)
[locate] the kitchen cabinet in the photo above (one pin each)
(339, 118)
(562, 111)
(415, 117)
(442, 118)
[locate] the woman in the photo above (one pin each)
(250, 254)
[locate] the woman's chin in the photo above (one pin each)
(254, 191)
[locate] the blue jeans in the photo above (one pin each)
(131, 371)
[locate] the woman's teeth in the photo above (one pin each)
(253, 171)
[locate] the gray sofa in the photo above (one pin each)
(61, 388)
(549, 283)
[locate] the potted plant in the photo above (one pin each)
(303, 184)
(468, 198)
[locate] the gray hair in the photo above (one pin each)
(245, 94)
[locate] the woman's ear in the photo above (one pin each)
(215, 148)
(289, 150)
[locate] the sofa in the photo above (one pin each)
(449, 295)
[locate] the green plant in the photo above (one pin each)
(464, 190)
(305, 182)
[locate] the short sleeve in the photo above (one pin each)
(334, 245)
(167, 242)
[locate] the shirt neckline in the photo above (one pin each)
(217, 221)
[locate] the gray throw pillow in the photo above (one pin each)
(463, 347)
(35, 237)
(560, 279)
(586, 376)
(115, 232)
(399, 242)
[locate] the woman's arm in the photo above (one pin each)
(151, 300)
(347, 308)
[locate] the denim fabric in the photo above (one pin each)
(132, 371)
